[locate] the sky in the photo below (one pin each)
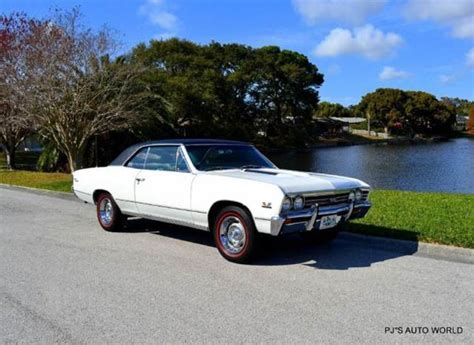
(359, 45)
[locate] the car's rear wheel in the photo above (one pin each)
(235, 235)
(108, 213)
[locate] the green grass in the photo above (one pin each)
(429, 217)
(52, 181)
(442, 218)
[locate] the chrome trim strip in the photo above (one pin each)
(327, 192)
(201, 212)
(78, 191)
(162, 206)
(207, 144)
(319, 193)
(266, 219)
(333, 210)
(276, 225)
(349, 213)
(365, 203)
(310, 224)
(168, 220)
(139, 148)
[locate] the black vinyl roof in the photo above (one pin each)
(194, 141)
(125, 154)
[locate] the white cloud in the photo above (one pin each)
(459, 14)
(157, 14)
(470, 58)
(164, 19)
(365, 40)
(447, 78)
(392, 73)
(348, 11)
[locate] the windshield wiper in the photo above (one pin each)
(251, 166)
(218, 168)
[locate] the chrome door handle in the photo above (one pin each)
(139, 180)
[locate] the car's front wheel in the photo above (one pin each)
(108, 213)
(235, 235)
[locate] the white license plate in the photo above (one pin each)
(329, 221)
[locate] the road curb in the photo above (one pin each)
(44, 192)
(428, 250)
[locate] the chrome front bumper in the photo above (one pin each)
(310, 219)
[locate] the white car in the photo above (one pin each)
(227, 187)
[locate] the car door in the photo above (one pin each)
(121, 181)
(163, 187)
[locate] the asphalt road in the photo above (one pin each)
(63, 279)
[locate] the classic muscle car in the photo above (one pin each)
(227, 187)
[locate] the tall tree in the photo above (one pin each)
(233, 90)
(385, 107)
(462, 106)
(427, 115)
(409, 112)
(78, 93)
(15, 121)
(284, 89)
(326, 109)
(470, 121)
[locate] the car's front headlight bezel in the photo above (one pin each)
(351, 196)
(298, 203)
(358, 195)
(286, 204)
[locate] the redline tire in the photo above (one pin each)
(235, 235)
(108, 213)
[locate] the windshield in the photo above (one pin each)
(218, 157)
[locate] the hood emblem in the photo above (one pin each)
(266, 204)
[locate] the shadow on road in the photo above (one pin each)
(341, 254)
(137, 225)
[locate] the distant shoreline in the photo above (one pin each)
(342, 142)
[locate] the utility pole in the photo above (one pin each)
(368, 123)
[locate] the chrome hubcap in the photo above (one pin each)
(232, 234)
(106, 211)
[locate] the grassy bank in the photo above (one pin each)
(429, 217)
(52, 181)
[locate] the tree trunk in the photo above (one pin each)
(74, 158)
(10, 155)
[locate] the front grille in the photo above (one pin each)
(327, 200)
(365, 195)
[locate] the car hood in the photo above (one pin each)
(295, 181)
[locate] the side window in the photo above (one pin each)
(138, 161)
(181, 163)
(161, 158)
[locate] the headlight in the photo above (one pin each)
(351, 196)
(298, 203)
(286, 205)
(358, 195)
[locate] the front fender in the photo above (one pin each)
(263, 200)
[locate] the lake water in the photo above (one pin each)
(437, 167)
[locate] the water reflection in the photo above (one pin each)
(444, 166)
